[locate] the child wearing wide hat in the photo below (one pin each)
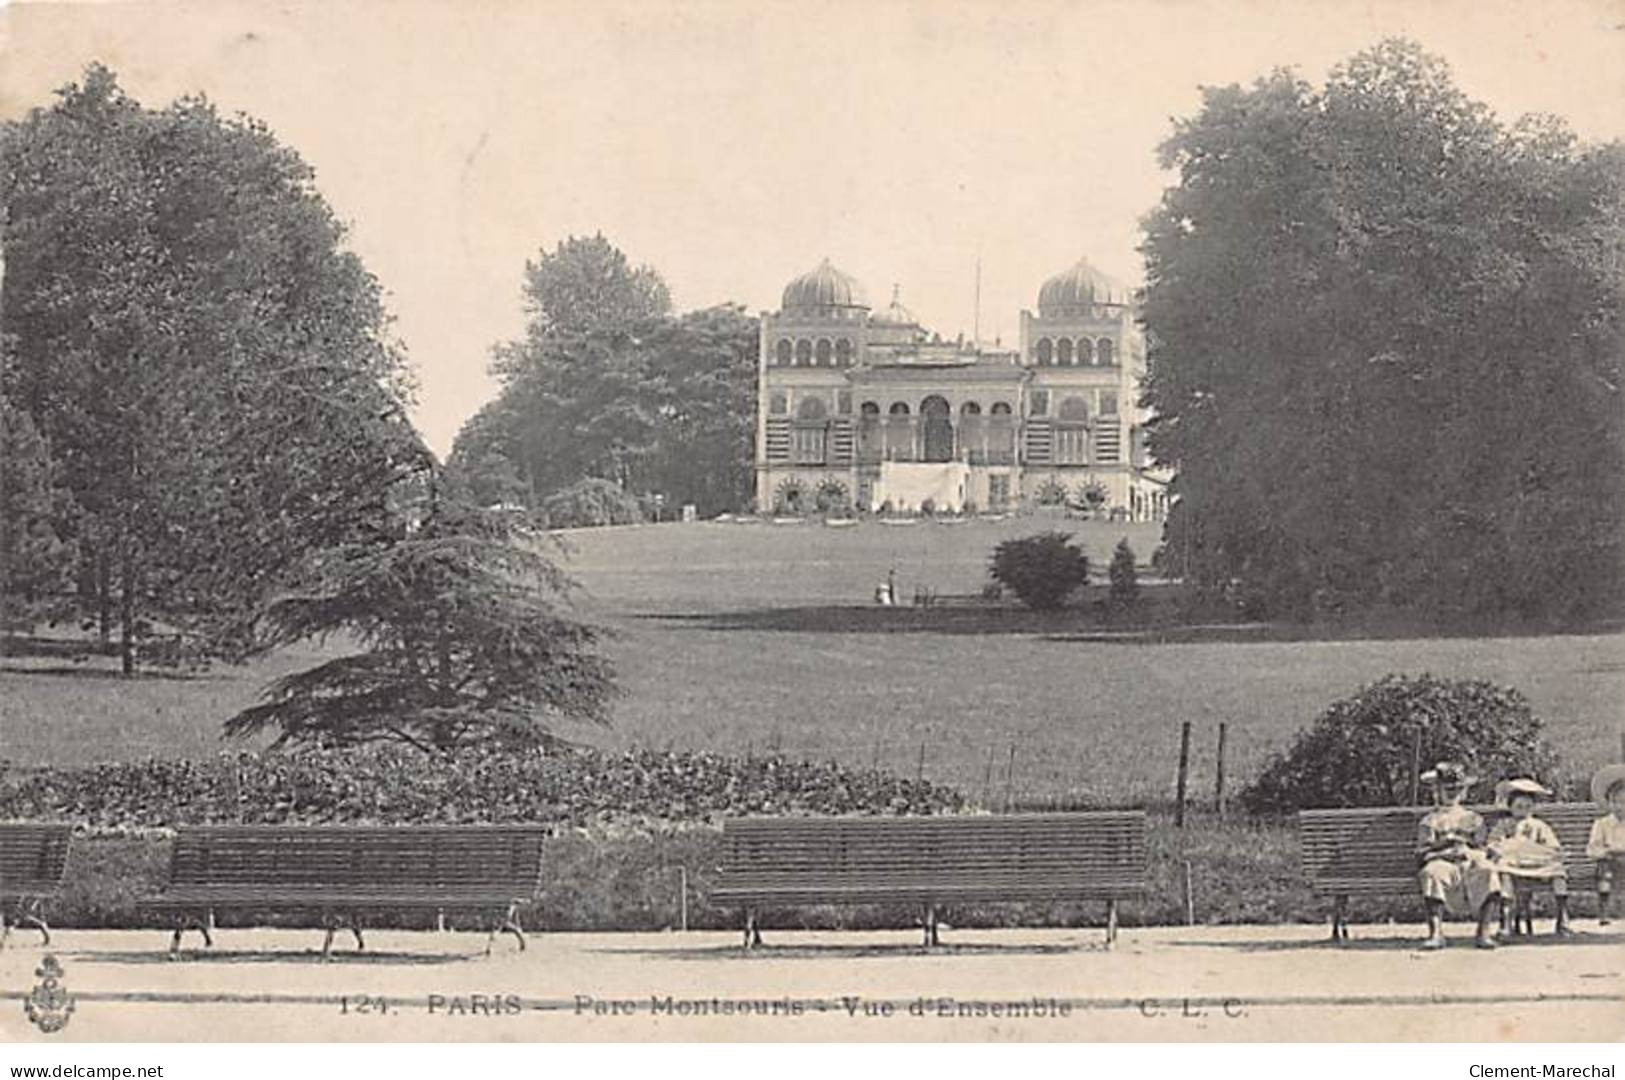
(1527, 852)
(1456, 872)
(1607, 842)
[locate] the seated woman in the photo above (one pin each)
(1456, 872)
(1607, 841)
(1527, 853)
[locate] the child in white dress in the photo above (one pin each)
(1527, 853)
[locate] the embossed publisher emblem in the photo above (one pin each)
(49, 1005)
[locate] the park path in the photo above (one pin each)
(1158, 984)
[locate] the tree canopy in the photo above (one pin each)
(210, 368)
(608, 384)
(465, 639)
(1385, 347)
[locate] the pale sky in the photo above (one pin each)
(731, 145)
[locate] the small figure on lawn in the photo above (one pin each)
(1456, 872)
(1607, 841)
(1527, 854)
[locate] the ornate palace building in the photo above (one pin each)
(865, 407)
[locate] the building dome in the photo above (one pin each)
(895, 314)
(825, 289)
(1076, 290)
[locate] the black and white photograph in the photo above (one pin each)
(812, 522)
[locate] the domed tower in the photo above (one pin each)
(824, 293)
(1085, 354)
(894, 324)
(805, 426)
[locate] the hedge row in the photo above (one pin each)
(398, 785)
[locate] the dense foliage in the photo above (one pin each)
(210, 370)
(393, 784)
(1041, 570)
(465, 633)
(1364, 750)
(1385, 347)
(607, 384)
(591, 502)
(36, 557)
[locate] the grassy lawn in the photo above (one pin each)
(762, 638)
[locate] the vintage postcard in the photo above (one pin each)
(812, 522)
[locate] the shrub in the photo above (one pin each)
(1092, 495)
(1362, 750)
(591, 502)
(1125, 580)
(393, 784)
(1042, 570)
(928, 506)
(1051, 493)
(832, 496)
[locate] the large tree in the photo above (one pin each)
(210, 366)
(1385, 345)
(465, 636)
(607, 384)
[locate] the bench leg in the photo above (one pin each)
(1111, 922)
(330, 926)
(5, 928)
(1340, 918)
(184, 923)
(355, 928)
(930, 920)
(510, 925)
(753, 934)
(33, 918)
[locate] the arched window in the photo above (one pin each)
(1042, 352)
(869, 408)
(824, 352)
(899, 408)
(785, 351)
(811, 408)
(1063, 352)
(843, 352)
(1001, 408)
(1086, 351)
(1105, 350)
(970, 408)
(1073, 407)
(804, 352)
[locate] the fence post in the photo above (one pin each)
(1190, 897)
(1218, 780)
(1010, 779)
(920, 772)
(1184, 768)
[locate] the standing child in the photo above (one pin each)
(1607, 843)
(1456, 872)
(1527, 853)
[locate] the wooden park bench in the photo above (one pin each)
(1371, 851)
(32, 858)
(339, 874)
(932, 862)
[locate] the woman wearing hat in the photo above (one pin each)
(1455, 873)
(1527, 853)
(1607, 842)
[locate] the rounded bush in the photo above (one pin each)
(1042, 570)
(1362, 751)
